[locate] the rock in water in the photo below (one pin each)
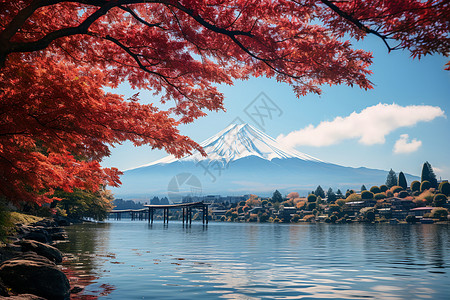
(47, 251)
(35, 274)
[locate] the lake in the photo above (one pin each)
(133, 260)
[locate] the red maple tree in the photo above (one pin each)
(56, 58)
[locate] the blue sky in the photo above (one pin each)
(400, 124)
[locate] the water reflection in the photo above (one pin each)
(265, 261)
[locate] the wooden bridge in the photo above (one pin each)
(148, 212)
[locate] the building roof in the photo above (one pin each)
(423, 208)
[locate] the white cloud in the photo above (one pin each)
(402, 145)
(370, 126)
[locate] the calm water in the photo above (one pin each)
(131, 260)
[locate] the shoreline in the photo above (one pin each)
(30, 264)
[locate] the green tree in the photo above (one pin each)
(348, 193)
(276, 197)
(379, 196)
(402, 180)
(86, 204)
(383, 188)
(363, 188)
(366, 195)
(375, 189)
(415, 186)
(339, 194)
(331, 196)
(396, 189)
(391, 179)
(320, 192)
(403, 194)
(444, 188)
(425, 185)
(312, 198)
(439, 200)
(428, 174)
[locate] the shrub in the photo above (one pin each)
(366, 195)
(439, 213)
(5, 222)
(349, 192)
(370, 216)
(340, 202)
(375, 189)
(389, 194)
(264, 218)
(396, 189)
(353, 197)
(333, 218)
(426, 196)
(309, 218)
(411, 219)
(439, 200)
(295, 218)
(311, 205)
(425, 185)
(253, 218)
(327, 220)
(383, 188)
(444, 188)
(312, 198)
(379, 196)
(403, 194)
(334, 208)
(415, 185)
(242, 203)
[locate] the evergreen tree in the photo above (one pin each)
(391, 179)
(339, 194)
(402, 180)
(363, 188)
(320, 192)
(276, 197)
(331, 196)
(155, 201)
(428, 174)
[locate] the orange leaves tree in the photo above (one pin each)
(56, 58)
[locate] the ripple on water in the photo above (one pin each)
(260, 261)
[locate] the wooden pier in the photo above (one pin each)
(187, 211)
(148, 212)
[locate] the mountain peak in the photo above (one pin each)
(238, 141)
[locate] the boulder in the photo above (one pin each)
(59, 236)
(40, 236)
(34, 274)
(39, 248)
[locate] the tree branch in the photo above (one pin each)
(357, 23)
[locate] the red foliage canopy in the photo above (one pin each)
(56, 57)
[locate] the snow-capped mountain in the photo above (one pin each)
(238, 141)
(242, 160)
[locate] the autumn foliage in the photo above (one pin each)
(57, 57)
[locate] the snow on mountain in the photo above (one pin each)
(242, 160)
(238, 141)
